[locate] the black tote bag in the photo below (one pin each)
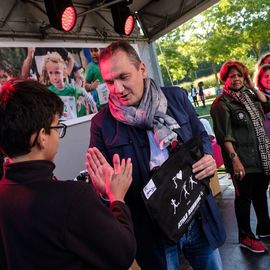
(173, 195)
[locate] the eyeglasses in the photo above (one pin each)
(60, 128)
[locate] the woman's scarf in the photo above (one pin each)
(258, 124)
(149, 114)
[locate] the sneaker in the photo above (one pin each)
(253, 245)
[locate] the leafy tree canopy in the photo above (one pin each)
(236, 29)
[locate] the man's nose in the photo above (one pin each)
(118, 87)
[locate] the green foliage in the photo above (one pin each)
(231, 29)
(173, 61)
(14, 56)
(208, 82)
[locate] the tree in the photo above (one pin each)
(249, 20)
(15, 57)
(174, 63)
(230, 29)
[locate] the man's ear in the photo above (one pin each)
(143, 70)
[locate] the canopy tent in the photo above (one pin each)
(27, 19)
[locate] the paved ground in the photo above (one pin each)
(234, 257)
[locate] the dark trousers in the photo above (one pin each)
(251, 189)
(195, 101)
(202, 100)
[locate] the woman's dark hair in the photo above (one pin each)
(26, 106)
(227, 66)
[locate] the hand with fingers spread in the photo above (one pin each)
(205, 167)
(114, 182)
(118, 181)
(97, 167)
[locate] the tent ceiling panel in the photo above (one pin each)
(28, 19)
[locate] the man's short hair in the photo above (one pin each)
(124, 46)
(26, 106)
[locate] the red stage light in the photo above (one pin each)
(129, 25)
(61, 13)
(69, 18)
(123, 19)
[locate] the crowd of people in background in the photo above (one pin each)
(194, 93)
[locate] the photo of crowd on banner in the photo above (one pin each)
(71, 73)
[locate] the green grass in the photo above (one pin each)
(204, 110)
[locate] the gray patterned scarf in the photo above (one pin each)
(258, 124)
(150, 114)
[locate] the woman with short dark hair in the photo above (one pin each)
(238, 121)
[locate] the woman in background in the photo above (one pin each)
(265, 59)
(262, 81)
(238, 124)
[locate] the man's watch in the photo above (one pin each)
(233, 156)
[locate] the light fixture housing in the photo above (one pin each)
(62, 14)
(123, 19)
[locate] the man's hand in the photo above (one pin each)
(117, 184)
(205, 167)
